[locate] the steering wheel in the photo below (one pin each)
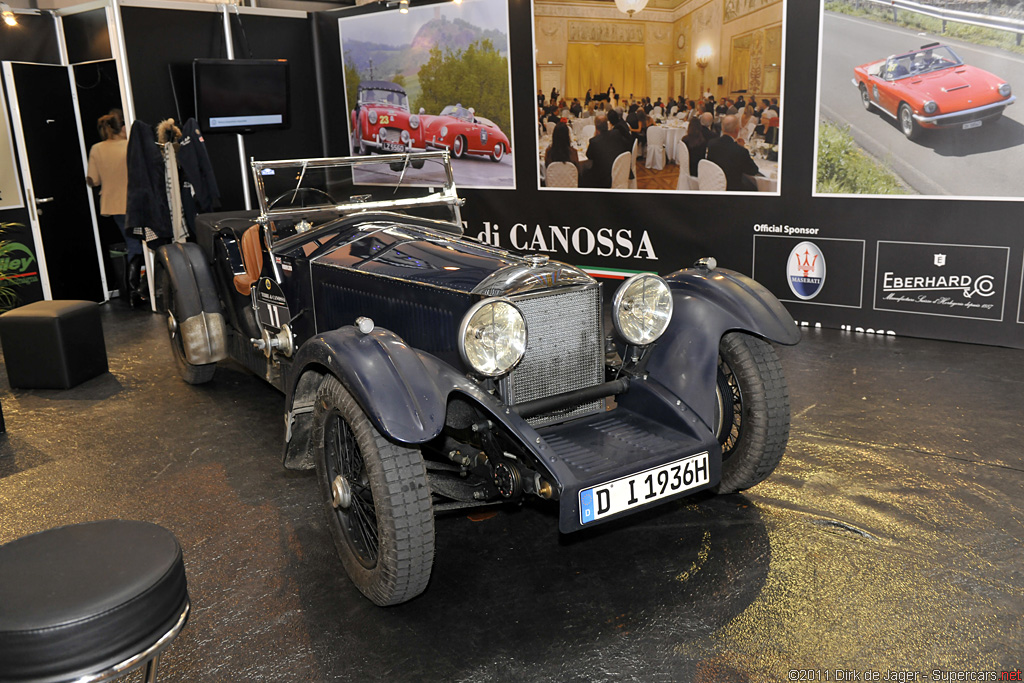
(302, 197)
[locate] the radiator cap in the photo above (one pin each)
(537, 260)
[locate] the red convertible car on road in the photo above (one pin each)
(462, 132)
(382, 122)
(931, 87)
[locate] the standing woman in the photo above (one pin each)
(108, 170)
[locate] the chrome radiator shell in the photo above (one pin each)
(565, 350)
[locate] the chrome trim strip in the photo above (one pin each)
(966, 112)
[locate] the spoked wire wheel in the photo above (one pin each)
(376, 497)
(351, 496)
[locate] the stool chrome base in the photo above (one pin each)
(150, 657)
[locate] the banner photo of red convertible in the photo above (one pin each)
(919, 101)
(434, 78)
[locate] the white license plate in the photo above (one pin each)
(392, 147)
(645, 487)
(972, 124)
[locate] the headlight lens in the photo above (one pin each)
(405, 136)
(372, 117)
(414, 122)
(642, 308)
(492, 338)
(444, 132)
(930, 107)
(1005, 90)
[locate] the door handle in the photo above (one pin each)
(43, 200)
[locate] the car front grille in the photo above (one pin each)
(564, 352)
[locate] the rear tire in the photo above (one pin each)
(498, 152)
(752, 411)
(377, 500)
(192, 374)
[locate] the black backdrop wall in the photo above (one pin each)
(157, 38)
(859, 238)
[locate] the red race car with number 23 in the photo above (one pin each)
(931, 87)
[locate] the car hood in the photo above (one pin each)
(959, 86)
(423, 256)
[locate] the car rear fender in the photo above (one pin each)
(200, 318)
(707, 304)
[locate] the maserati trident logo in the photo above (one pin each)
(805, 270)
(940, 260)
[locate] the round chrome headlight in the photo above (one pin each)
(930, 107)
(1005, 90)
(405, 136)
(444, 132)
(492, 338)
(372, 117)
(642, 308)
(414, 122)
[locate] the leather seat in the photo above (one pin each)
(81, 599)
(252, 259)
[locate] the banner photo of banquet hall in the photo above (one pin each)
(690, 90)
(432, 77)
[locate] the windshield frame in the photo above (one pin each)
(446, 196)
(910, 57)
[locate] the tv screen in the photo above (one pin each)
(241, 95)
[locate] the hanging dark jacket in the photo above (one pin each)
(196, 167)
(147, 193)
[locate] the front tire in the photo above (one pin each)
(192, 374)
(865, 97)
(752, 411)
(907, 123)
(459, 147)
(376, 497)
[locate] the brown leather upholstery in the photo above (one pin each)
(252, 257)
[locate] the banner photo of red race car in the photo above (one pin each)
(432, 78)
(906, 112)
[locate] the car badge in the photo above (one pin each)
(805, 270)
(940, 260)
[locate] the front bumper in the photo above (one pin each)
(958, 117)
(603, 448)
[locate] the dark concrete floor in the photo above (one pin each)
(890, 539)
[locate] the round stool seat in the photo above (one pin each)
(80, 599)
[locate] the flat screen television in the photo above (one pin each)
(241, 95)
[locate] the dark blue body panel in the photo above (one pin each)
(707, 305)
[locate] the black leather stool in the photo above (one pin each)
(89, 602)
(53, 344)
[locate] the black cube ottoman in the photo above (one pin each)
(53, 344)
(90, 601)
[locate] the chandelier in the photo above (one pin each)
(630, 7)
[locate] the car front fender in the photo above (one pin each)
(708, 304)
(403, 398)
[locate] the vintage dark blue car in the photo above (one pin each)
(426, 372)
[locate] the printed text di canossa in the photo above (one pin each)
(582, 241)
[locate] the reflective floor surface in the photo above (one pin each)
(888, 543)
